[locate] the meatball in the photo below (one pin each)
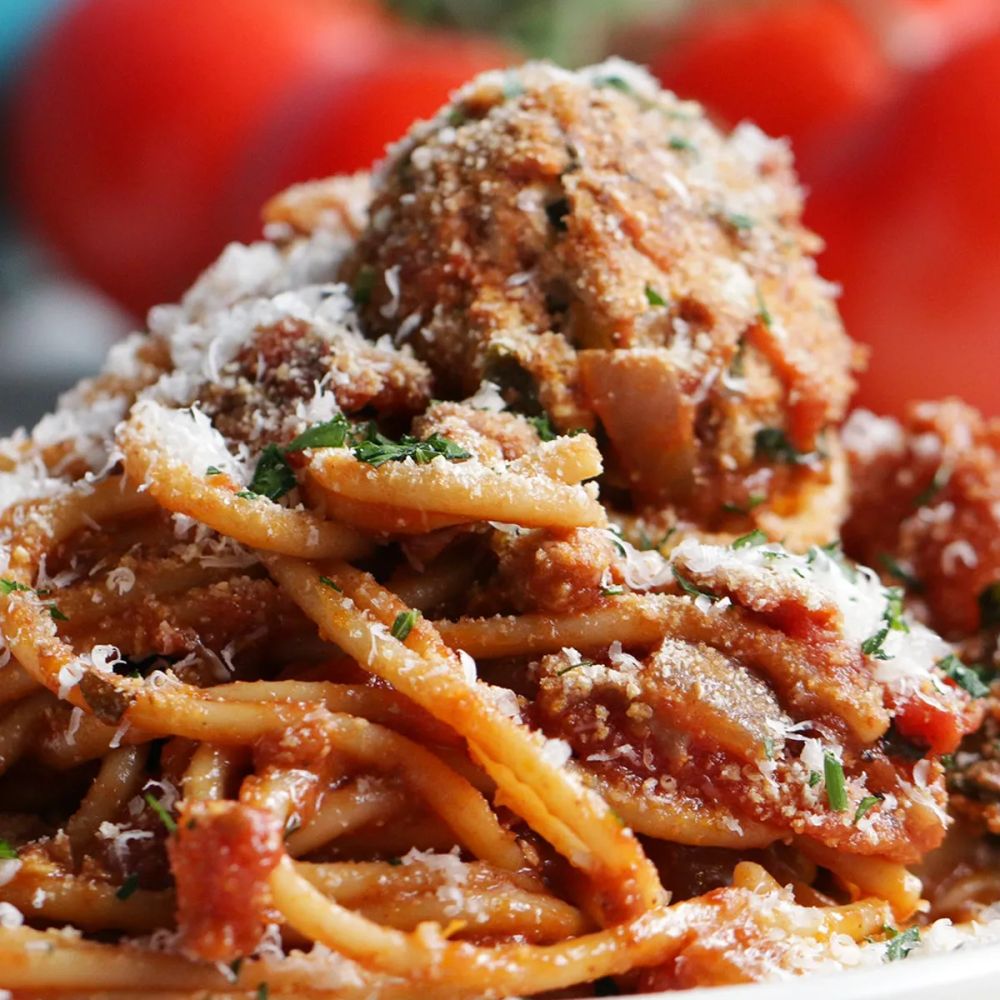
(606, 255)
(925, 509)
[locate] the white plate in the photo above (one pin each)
(968, 974)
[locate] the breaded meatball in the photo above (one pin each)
(598, 248)
(925, 509)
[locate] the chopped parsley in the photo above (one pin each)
(688, 587)
(865, 806)
(753, 501)
(263, 991)
(9, 586)
(512, 88)
(874, 645)
(213, 470)
(739, 221)
(273, 477)
(331, 434)
(364, 284)
(127, 887)
(615, 81)
(763, 313)
(751, 539)
(904, 576)
(679, 143)
(247, 495)
(938, 482)
(543, 426)
(894, 610)
(612, 591)
(573, 666)
(403, 624)
(56, 615)
(327, 582)
(158, 807)
(376, 449)
(772, 443)
(814, 778)
(457, 116)
(836, 785)
(900, 945)
(653, 297)
(967, 678)
(989, 605)
(7, 852)
(737, 367)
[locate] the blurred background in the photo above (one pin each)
(139, 136)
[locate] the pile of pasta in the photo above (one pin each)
(315, 684)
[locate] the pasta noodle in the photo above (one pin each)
(318, 686)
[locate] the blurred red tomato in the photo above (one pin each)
(341, 122)
(130, 113)
(807, 69)
(915, 240)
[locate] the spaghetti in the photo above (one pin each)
(327, 677)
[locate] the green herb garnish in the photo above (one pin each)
(127, 887)
(904, 577)
(331, 434)
(653, 297)
(327, 582)
(615, 81)
(7, 852)
(612, 591)
(9, 586)
(763, 313)
(263, 992)
(543, 426)
(753, 501)
(901, 945)
(938, 482)
(573, 666)
(874, 645)
(364, 284)
(751, 539)
(967, 678)
(213, 470)
(894, 610)
(56, 615)
(688, 587)
(377, 449)
(865, 806)
(403, 624)
(679, 143)
(158, 807)
(739, 221)
(772, 443)
(836, 785)
(273, 477)
(814, 778)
